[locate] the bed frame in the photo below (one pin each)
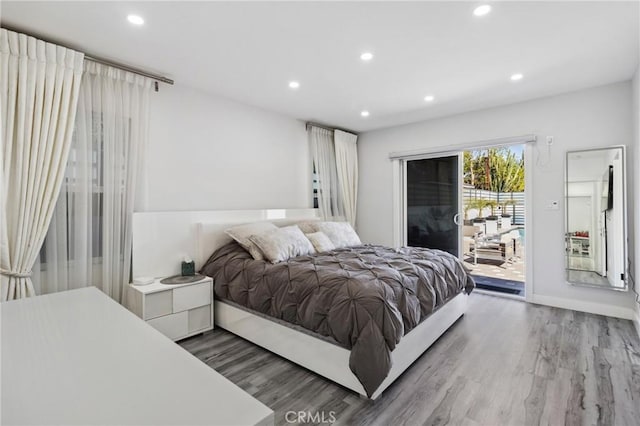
(198, 234)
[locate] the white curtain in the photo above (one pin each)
(89, 240)
(39, 84)
(324, 160)
(347, 172)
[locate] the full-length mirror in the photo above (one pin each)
(596, 220)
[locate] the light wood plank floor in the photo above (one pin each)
(504, 363)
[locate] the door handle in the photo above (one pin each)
(456, 219)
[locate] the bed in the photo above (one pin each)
(381, 337)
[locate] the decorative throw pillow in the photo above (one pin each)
(320, 241)
(282, 243)
(242, 233)
(341, 234)
(308, 226)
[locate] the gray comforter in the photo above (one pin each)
(365, 298)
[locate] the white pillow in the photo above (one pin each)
(308, 226)
(281, 223)
(320, 241)
(282, 243)
(242, 233)
(341, 234)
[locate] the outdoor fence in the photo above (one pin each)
(516, 211)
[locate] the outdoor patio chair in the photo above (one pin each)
(488, 248)
(470, 236)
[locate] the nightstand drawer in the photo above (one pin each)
(158, 304)
(177, 311)
(172, 326)
(191, 296)
(200, 318)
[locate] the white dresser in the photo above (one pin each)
(79, 358)
(177, 311)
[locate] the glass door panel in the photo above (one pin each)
(433, 203)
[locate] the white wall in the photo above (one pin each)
(209, 153)
(591, 118)
(582, 210)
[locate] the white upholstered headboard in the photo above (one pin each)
(162, 239)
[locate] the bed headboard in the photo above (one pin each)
(162, 239)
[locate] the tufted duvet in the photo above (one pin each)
(365, 297)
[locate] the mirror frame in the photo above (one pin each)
(625, 224)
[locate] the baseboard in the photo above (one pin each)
(590, 307)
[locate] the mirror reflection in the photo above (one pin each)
(596, 218)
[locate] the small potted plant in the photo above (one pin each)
(479, 204)
(493, 205)
(506, 220)
(466, 206)
(492, 220)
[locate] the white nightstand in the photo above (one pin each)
(177, 311)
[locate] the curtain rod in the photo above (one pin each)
(94, 58)
(129, 69)
(311, 123)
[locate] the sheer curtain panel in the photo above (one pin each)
(39, 84)
(89, 240)
(347, 172)
(324, 160)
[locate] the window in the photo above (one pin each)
(314, 183)
(81, 196)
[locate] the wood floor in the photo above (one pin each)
(504, 363)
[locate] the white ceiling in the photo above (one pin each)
(250, 51)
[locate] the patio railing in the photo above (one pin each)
(516, 211)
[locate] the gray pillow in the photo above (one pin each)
(282, 243)
(241, 234)
(320, 241)
(308, 226)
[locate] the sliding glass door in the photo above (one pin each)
(433, 203)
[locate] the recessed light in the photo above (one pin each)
(294, 84)
(429, 98)
(482, 10)
(366, 56)
(516, 77)
(364, 113)
(135, 19)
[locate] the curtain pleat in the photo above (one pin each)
(347, 172)
(324, 160)
(39, 85)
